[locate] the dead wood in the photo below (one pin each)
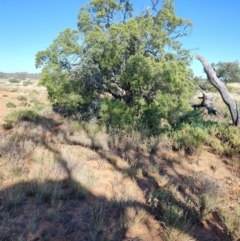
(220, 86)
(206, 102)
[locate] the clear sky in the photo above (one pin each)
(28, 26)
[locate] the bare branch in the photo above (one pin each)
(220, 86)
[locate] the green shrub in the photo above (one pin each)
(116, 113)
(229, 140)
(10, 105)
(38, 105)
(21, 115)
(14, 81)
(189, 138)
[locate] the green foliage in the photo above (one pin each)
(38, 105)
(14, 81)
(193, 131)
(232, 221)
(189, 138)
(230, 141)
(137, 63)
(116, 113)
(228, 71)
(10, 105)
(204, 84)
(21, 115)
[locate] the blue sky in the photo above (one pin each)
(28, 26)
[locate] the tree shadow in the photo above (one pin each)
(67, 210)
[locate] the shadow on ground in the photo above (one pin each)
(66, 210)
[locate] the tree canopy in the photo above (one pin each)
(121, 66)
(228, 71)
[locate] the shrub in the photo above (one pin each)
(10, 105)
(24, 104)
(21, 115)
(228, 142)
(26, 83)
(189, 138)
(22, 98)
(14, 81)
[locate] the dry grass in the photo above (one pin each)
(63, 180)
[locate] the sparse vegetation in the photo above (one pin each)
(10, 105)
(179, 207)
(22, 98)
(117, 154)
(26, 83)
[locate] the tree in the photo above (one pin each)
(228, 71)
(3, 75)
(121, 66)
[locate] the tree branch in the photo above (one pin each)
(220, 86)
(206, 102)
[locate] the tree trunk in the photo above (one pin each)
(220, 86)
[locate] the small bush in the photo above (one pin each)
(190, 139)
(10, 105)
(22, 98)
(24, 104)
(26, 83)
(22, 115)
(38, 105)
(14, 81)
(224, 140)
(231, 220)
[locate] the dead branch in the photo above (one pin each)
(220, 86)
(206, 102)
